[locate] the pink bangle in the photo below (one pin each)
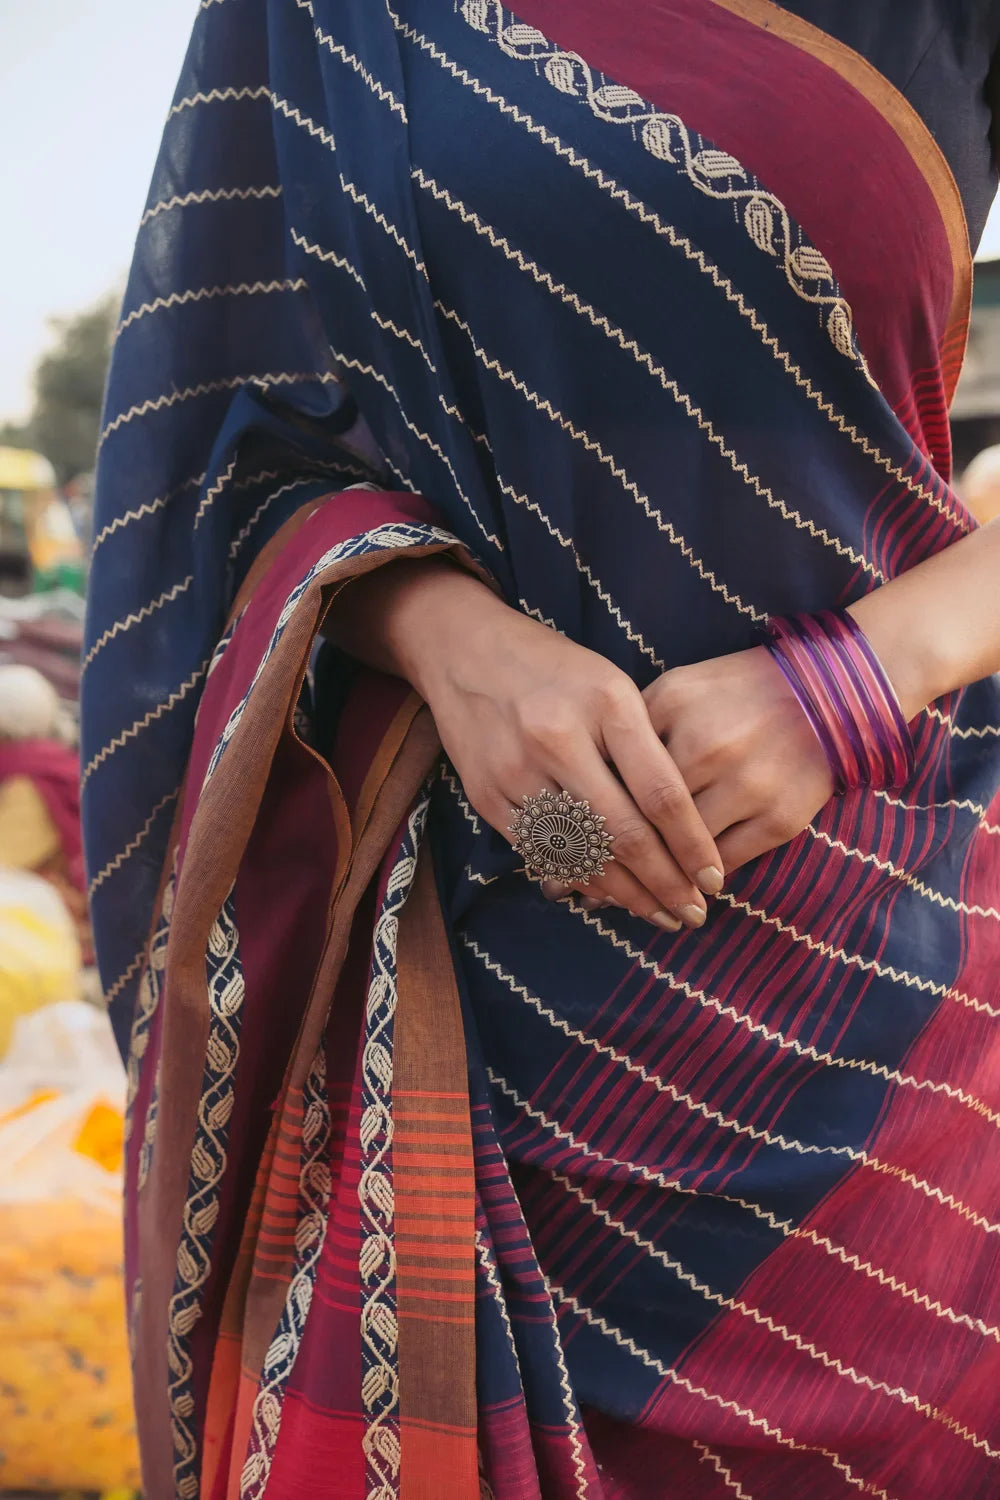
(851, 705)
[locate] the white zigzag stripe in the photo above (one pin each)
(571, 1410)
(130, 848)
(856, 960)
(122, 739)
(208, 293)
(634, 205)
(961, 804)
(485, 1258)
(329, 256)
(668, 1372)
(984, 732)
(632, 634)
(363, 201)
(213, 493)
(905, 877)
(784, 1227)
(777, 1038)
(209, 195)
(726, 1122)
(305, 122)
(149, 508)
(327, 41)
(220, 96)
(277, 101)
(362, 368)
(630, 346)
(587, 572)
(214, 387)
(264, 505)
(780, 1330)
(115, 990)
(451, 782)
(531, 505)
(406, 336)
(709, 1456)
(542, 404)
(120, 626)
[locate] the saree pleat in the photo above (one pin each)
(435, 1189)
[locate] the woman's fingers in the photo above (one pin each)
(748, 840)
(722, 806)
(663, 896)
(643, 869)
(658, 789)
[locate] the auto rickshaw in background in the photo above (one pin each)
(40, 546)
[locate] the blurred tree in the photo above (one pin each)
(14, 435)
(69, 390)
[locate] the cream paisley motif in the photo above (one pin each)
(713, 172)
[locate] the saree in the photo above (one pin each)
(650, 317)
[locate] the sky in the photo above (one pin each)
(85, 86)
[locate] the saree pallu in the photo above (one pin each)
(651, 315)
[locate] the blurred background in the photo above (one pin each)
(85, 86)
(84, 90)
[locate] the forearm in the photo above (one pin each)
(937, 627)
(399, 617)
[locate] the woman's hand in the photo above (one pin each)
(745, 749)
(520, 708)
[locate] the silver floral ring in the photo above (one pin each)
(560, 839)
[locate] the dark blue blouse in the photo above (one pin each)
(939, 54)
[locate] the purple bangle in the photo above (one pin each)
(846, 696)
(815, 721)
(888, 692)
(872, 705)
(814, 639)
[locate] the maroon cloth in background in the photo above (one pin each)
(54, 771)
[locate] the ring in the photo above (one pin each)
(560, 839)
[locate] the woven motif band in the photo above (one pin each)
(842, 688)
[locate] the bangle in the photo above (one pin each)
(842, 688)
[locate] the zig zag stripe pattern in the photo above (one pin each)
(120, 740)
(641, 357)
(126, 854)
(729, 1123)
(207, 294)
(787, 1335)
(210, 195)
(747, 1413)
(777, 1038)
(626, 1171)
(614, 190)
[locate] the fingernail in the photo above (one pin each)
(666, 921)
(710, 880)
(694, 916)
(591, 903)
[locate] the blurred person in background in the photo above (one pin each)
(563, 1045)
(40, 791)
(980, 485)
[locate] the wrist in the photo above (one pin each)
(914, 657)
(436, 610)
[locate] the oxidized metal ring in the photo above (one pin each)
(560, 839)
